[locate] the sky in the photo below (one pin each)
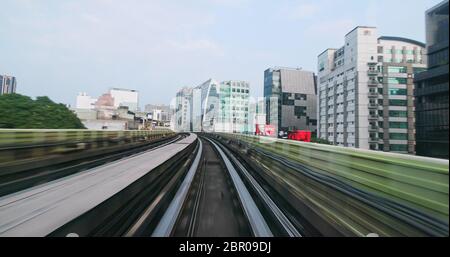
(60, 48)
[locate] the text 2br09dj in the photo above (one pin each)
(247, 247)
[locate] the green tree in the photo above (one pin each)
(19, 111)
(315, 139)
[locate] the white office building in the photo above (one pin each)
(366, 91)
(84, 101)
(125, 97)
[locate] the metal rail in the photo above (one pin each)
(167, 222)
(255, 218)
(290, 229)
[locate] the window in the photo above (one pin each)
(286, 100)
(398, 125)
(399, 148)
(418, 70)
(380, 49)
(300, 111)
(394, 69)
(398, 114)
(398, 136)
(397, 81)
(396, 102)
(398, 91)
(300, 97)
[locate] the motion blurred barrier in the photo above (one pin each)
(357, 191)
(20, 148)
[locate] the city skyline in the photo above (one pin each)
(60, 55)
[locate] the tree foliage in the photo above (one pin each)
(315, 139)
(19, 111)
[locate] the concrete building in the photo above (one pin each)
(366, 91)
(432, 88)
(8, 84)
(108, 114)
(125, 97)
(291, 96)
(84, 101)
(159, 113)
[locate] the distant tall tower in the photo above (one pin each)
(8, 84)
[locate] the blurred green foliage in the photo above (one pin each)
(315, 139)
(19, 111)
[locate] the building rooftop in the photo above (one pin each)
(328, 49)
(362, 27)
(406, 40)
(124, 89)
(441, 8)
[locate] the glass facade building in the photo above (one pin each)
(291, 100)
(214, 107)
(432, 87)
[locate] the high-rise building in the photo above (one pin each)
(8, 84)
(183, 110)
(366, 91)
(291, 96)
(125, 97)
(233, 109)
(256, 114)
(432, 88)
(213, 107)
(205, 106)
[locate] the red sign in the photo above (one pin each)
(300, 135)
(265, 130)
(269, 130)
